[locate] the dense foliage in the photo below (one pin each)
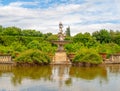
(35, 47)
(33, 56)
(28, 46)
(88, 56)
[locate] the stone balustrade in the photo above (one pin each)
(5, 58)
(114, 59)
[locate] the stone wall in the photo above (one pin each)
(115, 58)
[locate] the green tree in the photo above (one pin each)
(68, 31)
(85, 38)
(12, 31)
(73, 47)
(52, 37)
(1, 29)
(46, 35)
(117, 39)
(32, 33)
(103, 36)
(33, 45)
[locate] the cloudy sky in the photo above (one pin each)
(45, 15)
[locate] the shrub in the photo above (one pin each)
(88, 56)
(33, 56)
(73, 47)
(109, 49)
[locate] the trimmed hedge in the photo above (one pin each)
(88, 56)
(33, 56)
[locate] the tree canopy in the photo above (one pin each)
(16, 41)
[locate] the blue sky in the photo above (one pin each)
(45, 15)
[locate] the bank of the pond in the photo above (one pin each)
(83, 64)
(30, 64)
(80, 64)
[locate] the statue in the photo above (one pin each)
(61, 36)
(60, 27)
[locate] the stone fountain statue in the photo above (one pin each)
(61, 36)
(60, 56)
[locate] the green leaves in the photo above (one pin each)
(33, 46)
(33, 56)
(103, 36)
(12, 31)
(85, 38)
(88, 56)
(73, 47)
(68, 34)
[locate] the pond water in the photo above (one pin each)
(59, 78)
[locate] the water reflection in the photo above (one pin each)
(35, 73)
(114, 69)
(54, 77)
(88, 73)
(60, 73)
(5, 69)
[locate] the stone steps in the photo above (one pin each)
(60, 58)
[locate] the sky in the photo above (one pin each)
(45, 15)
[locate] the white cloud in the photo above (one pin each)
(17, 4)
(83, 17)
(94, 27)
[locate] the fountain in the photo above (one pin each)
(60, 56)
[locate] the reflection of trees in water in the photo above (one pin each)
(114, 68)
(60, 74)
(34, 72)
(42, 72)
(88, 73)
(68, 81)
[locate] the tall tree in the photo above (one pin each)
(103, 36)
(68, 31)
(1, 28)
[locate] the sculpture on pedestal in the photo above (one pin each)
(60, 55)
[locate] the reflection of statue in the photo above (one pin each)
(60, 73)
(60, 56)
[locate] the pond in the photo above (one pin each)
(59, 78)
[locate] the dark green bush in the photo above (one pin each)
(88, 56)
(33, 56)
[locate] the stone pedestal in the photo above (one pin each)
(60, 58)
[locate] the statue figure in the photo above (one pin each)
(60, 27)
(61, 36)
